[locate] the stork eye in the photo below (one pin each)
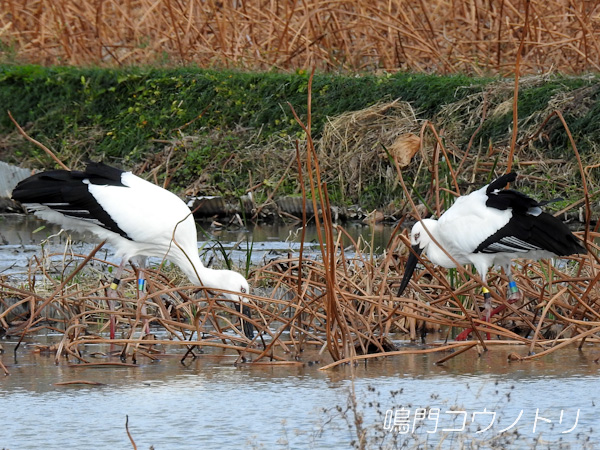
(243, 290)
(417, 235)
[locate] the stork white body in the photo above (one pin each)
(461, 230)
(491, 226)
(138, 218)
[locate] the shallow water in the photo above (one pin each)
(212, 403)
(21, 238)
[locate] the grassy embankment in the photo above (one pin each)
(226, 132)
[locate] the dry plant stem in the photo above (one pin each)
(39, 144)
(74, 382)
(128, 433)
(513, 141)
(303, 233)
(588, 209)
(453, 354)
(357, 358)
(4, 369)
(439, 142)
(543, 315)
(583, 335)
(477, 130)
(317, 190)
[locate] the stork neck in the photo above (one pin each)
(198, 274)
(434, 252)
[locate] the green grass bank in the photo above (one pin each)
(228, 132)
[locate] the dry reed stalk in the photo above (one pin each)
(128, 433)
(515, 130)
(35, 142)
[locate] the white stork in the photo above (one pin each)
(138, 218)
(491, 226)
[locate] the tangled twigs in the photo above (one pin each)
(561, 308)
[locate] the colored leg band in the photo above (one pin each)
(115, 284)
(512, 286)
(485, 290)
(141, 285)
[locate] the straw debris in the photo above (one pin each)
(351, 150)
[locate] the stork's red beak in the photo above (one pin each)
(410, 267)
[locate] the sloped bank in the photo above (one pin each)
(233, 134)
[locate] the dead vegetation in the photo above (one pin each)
(443, 36)
(353, 146)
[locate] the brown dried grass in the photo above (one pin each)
(353, 145)
(443, 36)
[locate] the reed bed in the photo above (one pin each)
(345, 305)
(443, 36)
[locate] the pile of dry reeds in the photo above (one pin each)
(443, 36)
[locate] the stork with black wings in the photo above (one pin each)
(491, 226)
(138, 218)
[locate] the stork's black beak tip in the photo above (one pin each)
(409, 268)
(248, 328)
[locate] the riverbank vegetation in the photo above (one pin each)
(198, 97)
(228, 133)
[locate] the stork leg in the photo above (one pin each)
(487, 304)
(487, 307)
(112, 293)
(514, 295)
(142, 293)
(487, 314)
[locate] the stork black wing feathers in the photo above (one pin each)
(501, 182)
(65, 192)
(502, 199)
(525, 232)
(529, 228)
(101, 174)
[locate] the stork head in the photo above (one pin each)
(234, 281)
(419, 241)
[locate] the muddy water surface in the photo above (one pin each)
(211, 403)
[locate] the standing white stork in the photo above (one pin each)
(138, 218)
(491, 226)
